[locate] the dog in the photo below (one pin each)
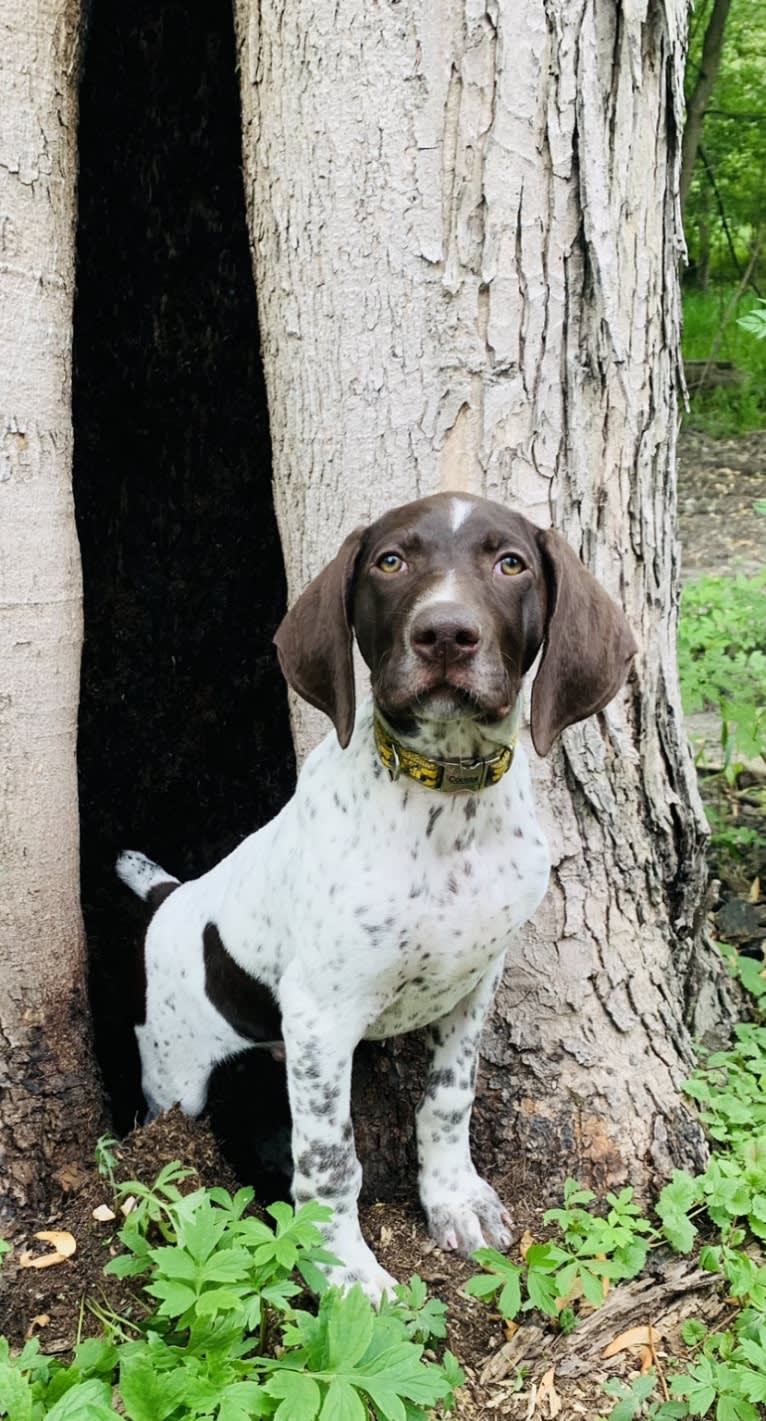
(383, 897)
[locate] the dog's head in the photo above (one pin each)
(451, 598)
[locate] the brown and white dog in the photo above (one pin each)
(384, 896)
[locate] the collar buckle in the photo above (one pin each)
(468, 777)
(395, 768)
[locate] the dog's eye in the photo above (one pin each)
(390, 562)
(509, 565)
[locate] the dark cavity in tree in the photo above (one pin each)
(184, 738)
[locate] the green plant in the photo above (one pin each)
(425, 1318)
(722, 644)
(730, 840)
(219, 1262)
(221, 1339)
(754, 320)
(722, 411)
(638, 1399)
(750, 971)
(726, 1380)
(152, 1203)
(589, 1252)
(106, 1157)
(348, 1355)
(726, 1376)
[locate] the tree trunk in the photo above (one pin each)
(466, 232)
(712, 49)
(50, 1101)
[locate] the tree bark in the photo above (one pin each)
(466, 231)
(712, 49)
(50, 1099)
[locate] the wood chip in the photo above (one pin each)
(525, 1243)
(62, 1244)
(70, 1177)
(41, 1320)
(634, 1337)
(547, 1392)
(128, 1205)
(103, 1214)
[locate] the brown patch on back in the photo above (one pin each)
(242, 1000)
(157, 895)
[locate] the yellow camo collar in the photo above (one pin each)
(449, 776)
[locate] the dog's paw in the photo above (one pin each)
(375, 1282)
(467, 1217)
(359, 1265)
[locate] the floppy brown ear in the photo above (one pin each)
(587, 650)
(314, 641)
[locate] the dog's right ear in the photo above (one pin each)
(314, 641)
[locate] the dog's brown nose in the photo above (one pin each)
(445, 632)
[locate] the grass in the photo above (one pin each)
(729, 409)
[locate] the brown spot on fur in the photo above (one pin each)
(243, 1001)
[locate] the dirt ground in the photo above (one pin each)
(719, 481)
(506, 1375)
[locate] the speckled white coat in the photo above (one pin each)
(369, 908)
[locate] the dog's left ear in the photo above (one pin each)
(314, 641)
(588, 645)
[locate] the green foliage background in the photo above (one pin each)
(733, 140)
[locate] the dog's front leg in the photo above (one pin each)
(463, 1211)
(319, 1055)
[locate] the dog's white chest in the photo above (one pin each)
(406, 900)
(427, 900)
(458, 920)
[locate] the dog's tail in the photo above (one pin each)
(145, 878)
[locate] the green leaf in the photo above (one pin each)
(592, 1287)
(217, 1300)
(734, 1408)
(226, 1265)
(16, 1396)
(693, 1331)
(349, 1328)
(543, 1292)
(125, 1265)
(283, 1214)
(300, 1395)
(672, 1207)
(509, 1301)
(696, 1088)
(200, 1226)
(452, 1370)
(341, 1403)
(176, 1298)
(88, 1401)
(174, 1262)
(385, 1399)
(482, 1285)
(575, 1193)
(95, 1355)
(631, 1399)
(149, 1395)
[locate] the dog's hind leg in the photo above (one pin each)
(174, 1072)
(178, 1057)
